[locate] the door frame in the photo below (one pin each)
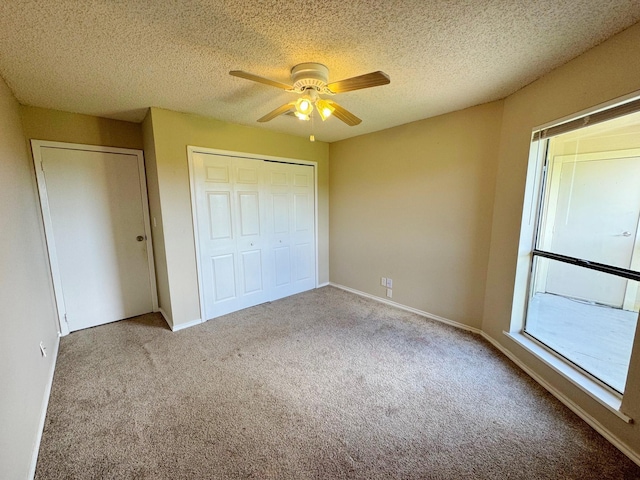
(36, 149)
(191, 150)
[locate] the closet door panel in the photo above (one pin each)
(253, 284)
(224, 277)
(215, 234)
(255, 230)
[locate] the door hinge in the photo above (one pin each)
(41, 165)
(66, 319)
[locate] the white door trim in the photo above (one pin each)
(191, 150)
(36, 146)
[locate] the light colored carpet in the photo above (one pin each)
(324, 384)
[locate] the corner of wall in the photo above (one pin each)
(155, 212)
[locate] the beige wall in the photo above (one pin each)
(602, 74)
(57, 126)
(155, 211)
(26, 295)
(414, 203)
(172, 133)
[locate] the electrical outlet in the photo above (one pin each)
(383, 282)
(389, 283)
(389, 293)
(43, 349)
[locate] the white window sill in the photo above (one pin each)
(601, 394)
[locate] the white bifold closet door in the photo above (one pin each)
(255, 231)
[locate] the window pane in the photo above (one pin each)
(592, 199)
(586, 316)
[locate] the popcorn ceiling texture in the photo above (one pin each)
(117, 58)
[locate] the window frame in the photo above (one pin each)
(534, 195)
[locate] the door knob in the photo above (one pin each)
(626, 234)
(139, 238)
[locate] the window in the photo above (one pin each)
(584, 279)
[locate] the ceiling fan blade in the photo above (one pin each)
(367, 80)
(278, 111)
(256, 78)
(345, 115)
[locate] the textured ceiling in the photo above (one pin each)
(117, 58)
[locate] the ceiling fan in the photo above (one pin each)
(310, 81)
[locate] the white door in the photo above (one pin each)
(94, 208)
(251, 239)
(230, 224)
(255, 230)
(598, 205)
(291, 227)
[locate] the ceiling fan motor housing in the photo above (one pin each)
(310, 75)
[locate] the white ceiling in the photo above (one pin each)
(117, 58)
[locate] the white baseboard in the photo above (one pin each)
(325, 284)
(574, 407)
(43, 410)
(182, 326)
(408, 309)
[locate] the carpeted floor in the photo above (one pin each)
(324, 384)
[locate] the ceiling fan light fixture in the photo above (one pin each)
(325, 109)
(304, 106)
(301, 116)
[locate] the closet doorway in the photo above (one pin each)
(255, 228)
